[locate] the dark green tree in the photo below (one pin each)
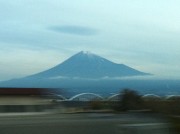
(130, 100)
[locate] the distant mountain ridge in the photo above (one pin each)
(88, 65)
(87, 72)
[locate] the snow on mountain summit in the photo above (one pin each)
(88, 65)
(87, 54)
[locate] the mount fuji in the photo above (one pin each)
(88, 72)
(88, 65)
(80, 67)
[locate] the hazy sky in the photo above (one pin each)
(38, 34)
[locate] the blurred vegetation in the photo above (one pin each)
(175, 124)
(131, 100)
(96, 105)
(128, 100)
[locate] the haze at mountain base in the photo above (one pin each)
(87, 72)
(88, 65)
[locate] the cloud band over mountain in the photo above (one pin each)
(76, 30)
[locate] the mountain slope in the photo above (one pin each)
(83, 70)
(88, 65)
(71, 75)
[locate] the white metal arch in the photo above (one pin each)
(114, 97)
(86, 94)
(150, 95)
(58, 96)
(171, 97)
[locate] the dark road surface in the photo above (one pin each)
(68, 123)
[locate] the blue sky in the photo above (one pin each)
(38, 34)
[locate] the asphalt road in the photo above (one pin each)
(68, 123)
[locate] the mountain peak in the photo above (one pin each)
(84, 57)
(88, 65)
(86, 53)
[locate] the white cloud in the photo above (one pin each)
(141, 34)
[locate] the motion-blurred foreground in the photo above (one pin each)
(89, 123)
(44, 111)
